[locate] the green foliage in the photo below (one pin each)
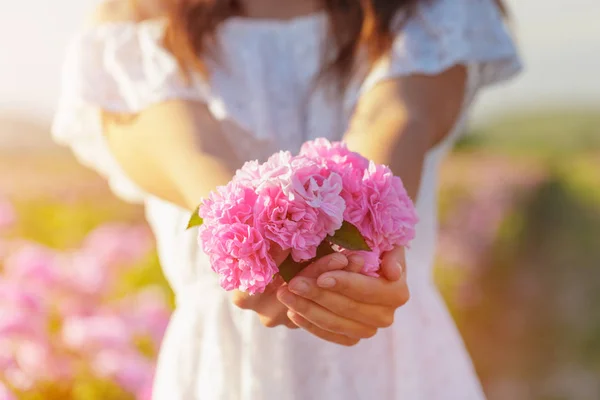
(546, 133)
(349, 237)
(195, 219)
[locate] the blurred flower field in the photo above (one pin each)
(83, 304)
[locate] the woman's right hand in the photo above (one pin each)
(270, 310)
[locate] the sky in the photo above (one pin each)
(559, 39)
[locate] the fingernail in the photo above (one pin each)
(400, 268)
(327, 282)
(299, 287)
(338, 260)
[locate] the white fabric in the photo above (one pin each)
(212, 350)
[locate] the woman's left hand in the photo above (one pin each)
(345, 306)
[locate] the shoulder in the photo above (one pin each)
(126, 11)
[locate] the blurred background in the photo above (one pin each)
(519, 254)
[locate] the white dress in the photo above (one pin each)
(212, 350)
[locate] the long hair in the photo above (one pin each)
(354, 25)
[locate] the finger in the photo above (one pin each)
(355, 263)
(365, 289)
(332, 262)
(393, 264)
(291, 325)
(272, 313)
(367, 314)
(324, 318)
(325, 335)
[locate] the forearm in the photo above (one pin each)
(175, 151)
(397, 143)
(397, 122)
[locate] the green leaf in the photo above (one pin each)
(349, 237)
(195, 219)
(290, 268)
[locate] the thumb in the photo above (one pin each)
(393, 265)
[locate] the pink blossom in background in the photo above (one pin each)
(118, 245)
(129, 369)
(145, 393)
(147, 312)
(33, 265)
(92, 333)
(7, 214)
(85, 274)
(6, 394)
(54, 314)
(34, 357)
(240, 255)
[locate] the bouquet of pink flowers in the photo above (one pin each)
(325, 199)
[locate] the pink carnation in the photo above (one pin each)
(338, 158)
(229, 204)
(240, 255)
(383, 212)
(333, 153)
(276, 171)
(300, 213)
(371, 258)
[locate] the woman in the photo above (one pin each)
(167, 100)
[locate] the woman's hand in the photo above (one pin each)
(343, 306)
(270, 310)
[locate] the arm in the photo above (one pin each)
(396, 123)
(400, 120)
(174, 150)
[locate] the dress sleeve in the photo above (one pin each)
(444, 33)
(121, 68)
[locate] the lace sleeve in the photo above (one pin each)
(122, 68)
(444, 33)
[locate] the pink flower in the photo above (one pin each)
(34, 357)
(240, 255)
(229, 204)
(371, 258)
(118, 245)
(84, 274)
(276, 171)
(249, 174)
(6, 394)
(383, 211)
(298, 214)
(333, 153)
(132, 371)
(290, 224)
(148, 313)
(33, 265)
(97, 332)
(7, 214)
